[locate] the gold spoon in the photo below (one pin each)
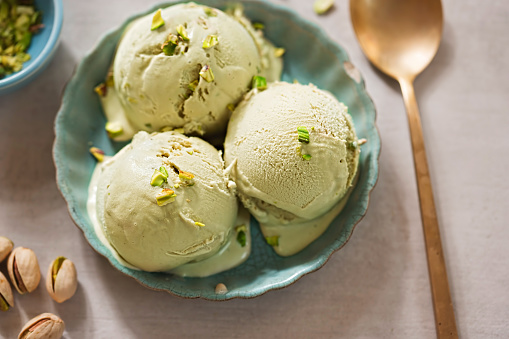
(401, 37)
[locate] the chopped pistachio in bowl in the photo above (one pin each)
(310, 57)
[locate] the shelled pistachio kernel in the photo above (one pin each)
(97, 153)
(45, 325)
(306, 157)
(24, 270)
(157, 21)
(114, 129)
(207, 74)
(62, 279)
(157, 179)
(165, 197)
(6, 246)
(241, 235)
(273, 240)
(210, 41)
(303, 134)
(210, 11)
(101, 89)
(259, 83)
(181, 30)
(170, 44)
(322, 6)
(197, 223)
(278, 52)
(185, 175)
(6, 297)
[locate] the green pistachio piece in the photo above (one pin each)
(192, 85)
(109, 80)
(322, 6)
(210, 41)
(206, 73)
(97, 153)
(190, 152)
(258, 25)
(210, 11)
(272, 241)
(352, 145)
(278, 52)
(181, 30)
(306, 157)
(259, 83)
(114, 129)
(165, 197)
(163, 170)
(158, 178)
(157, 20)
(231, 107)
(185, 175)
(241, 238)
(197, 223)
(101, 90)
(303, 134)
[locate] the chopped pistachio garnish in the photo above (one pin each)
(197, 223)
(157, 20)
(179, 130)
(258, 25)
(306, 157)
(114, 129)
(181, 30)
(352, 145)
(170, 44)
(362, 141)
(109, 80)
(278, 52)
(163, 170)
(166, 196)
(295, 81)
(185, 175)
(192, 85)
(210, 11)
(206, 73)
(322, 6)
(97, 153)
(157, 178)
(241, 238)
(190, 152)
(101, 90)
(17, 25)
(210, 41)
(259, 83)
(303, 134)
(297, 149)
(272, 241)
(231, 107)
(176, 186)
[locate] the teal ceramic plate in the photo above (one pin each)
(310, 57)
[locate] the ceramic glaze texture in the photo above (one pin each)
(311, 57)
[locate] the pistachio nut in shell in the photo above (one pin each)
(62, 279)
(5, 247)
(24, 270)
(6, 298)
(46, 325)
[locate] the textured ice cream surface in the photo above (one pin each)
(281, 180)
(153, 90)
(194, 227)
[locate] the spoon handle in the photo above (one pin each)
(442, 303)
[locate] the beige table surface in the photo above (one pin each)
(377, 286)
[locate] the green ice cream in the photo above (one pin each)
(294, 156)
(164, 201)
(182, 67)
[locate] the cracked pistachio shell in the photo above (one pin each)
(24, 270)
(62, 279)
(6, 298)
(44, 326)
(5, 247)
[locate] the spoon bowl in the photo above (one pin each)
(398, 37)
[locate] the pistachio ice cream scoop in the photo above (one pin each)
(184, 66)
(164, 200)
(294, 155)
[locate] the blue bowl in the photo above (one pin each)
(42, 47)
(310, 57)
